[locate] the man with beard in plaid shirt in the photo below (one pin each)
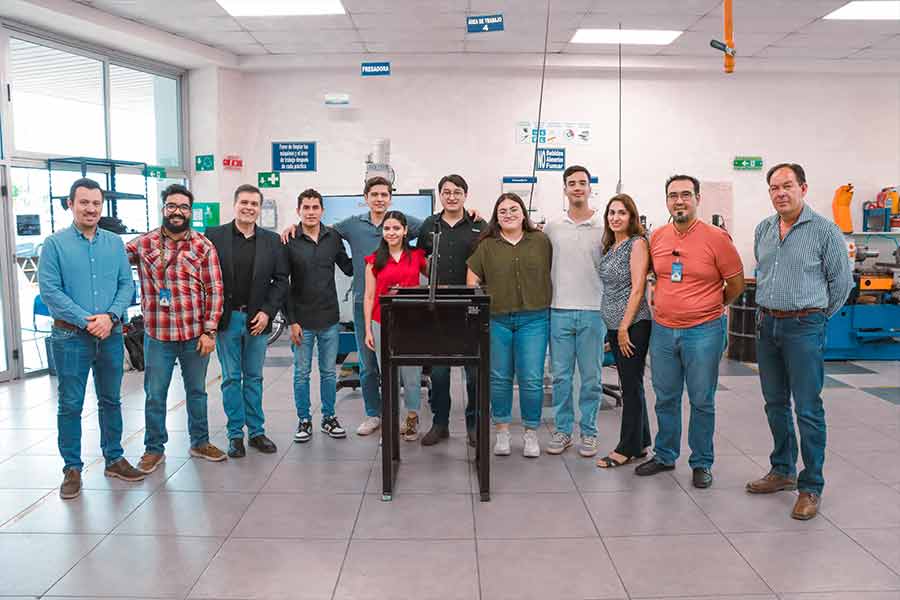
(181, 298)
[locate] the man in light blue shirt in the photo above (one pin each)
(85, 281)
(803, 277)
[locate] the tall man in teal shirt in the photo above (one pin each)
(803, 278)
(85, 281)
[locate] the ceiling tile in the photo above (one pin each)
(888, 42)
(818, 40)
(800, 53)
(485, 7)
(223, 38)
(246, 49)
(612, 49)
(411, 20)
(294, 23)
(510, 46)
(416, 46)
(877, 54)
(380, 35)
(693, 43)
(655, 7)
(611, 21)
(853, 28)
(355, 7)
(764, 24)
(316, 48)
(299, 38)
(205, 24)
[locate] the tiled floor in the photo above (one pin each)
(309, 522)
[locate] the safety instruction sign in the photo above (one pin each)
(203, 215)
(204, 162)
(550, 159)
(484, 23)
(556, 132)
(293, 156)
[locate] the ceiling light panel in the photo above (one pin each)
(877, 10)
(281, 8)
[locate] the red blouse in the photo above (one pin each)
(396, 273)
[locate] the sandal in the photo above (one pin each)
(608, 462)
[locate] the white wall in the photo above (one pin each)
(842, 128)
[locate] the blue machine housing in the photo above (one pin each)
(864, 332)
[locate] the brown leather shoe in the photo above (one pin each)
(772, 482)
(806, 507)
(122, 469)
(208, 452)
(71, 485)
(150, 461)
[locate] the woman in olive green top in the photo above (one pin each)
(512, 260)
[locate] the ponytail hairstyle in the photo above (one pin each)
(382, 254)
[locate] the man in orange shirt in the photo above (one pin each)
(698, 272)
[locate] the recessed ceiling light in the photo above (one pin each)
(880, 10)
(653, 37)
(281, 8)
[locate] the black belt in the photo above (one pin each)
(244, 308)
(790, 314)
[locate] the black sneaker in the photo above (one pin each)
(332, 427)
(304, 431)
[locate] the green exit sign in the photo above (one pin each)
(270, 179)
(157, 172)
(748, 163)
(204, 162)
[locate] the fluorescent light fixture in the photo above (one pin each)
(651, 37)
(281, 8)
(879, 10)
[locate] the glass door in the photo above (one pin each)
(7, 308)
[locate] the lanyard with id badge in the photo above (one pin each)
(165, 293)
(677, 268)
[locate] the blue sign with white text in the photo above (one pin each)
(375, 69)
(484, 23)
(550, 159)
(293, 156)
(515, 179)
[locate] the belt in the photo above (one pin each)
(242, 309)
(790, 314)
(63, 325)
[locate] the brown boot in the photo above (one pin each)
(150, 461)
(122, 469)
(806, 507)
(772, 482)
(71, 485)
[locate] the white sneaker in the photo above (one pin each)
(532, 448)
(589, 447)
(369, 426)
(501, 448)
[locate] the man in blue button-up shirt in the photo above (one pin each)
(803, 277)
(85, 281)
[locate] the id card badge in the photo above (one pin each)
(165, 297)
(677, 272)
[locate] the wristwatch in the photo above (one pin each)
(211, 333)
(114, 318)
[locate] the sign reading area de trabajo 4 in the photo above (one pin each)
(375, 69)
(550, 159)
(484, 23)
(748, 163)
(293, 156)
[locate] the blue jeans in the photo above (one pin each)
(518, 349)
(791, 362)
(159, 360)
(410, 377)
(440, 396)
(368, 364)
(242, 356)
(686, 356)
(76, 353)
(327, 342)
(576, 336)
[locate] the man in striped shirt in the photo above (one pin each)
(181, 298)
(803, 277)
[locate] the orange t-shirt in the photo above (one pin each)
(708, 257)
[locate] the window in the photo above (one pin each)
(57, 101)
(143, 117)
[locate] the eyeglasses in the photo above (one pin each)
(182, 208)
(683, 195)
(512, 210)
(453, 194)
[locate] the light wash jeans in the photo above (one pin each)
(242, 356)
(326, 340)
(410, 377)
(518, 349)
(576, 336)
(368, 364)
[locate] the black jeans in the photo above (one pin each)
(439, 399)
(634, 435)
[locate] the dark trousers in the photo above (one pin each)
(634, 435)
(439, 399)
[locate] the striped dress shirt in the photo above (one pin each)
(809, 268)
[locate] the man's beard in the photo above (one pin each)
(184, 226)
(682, 218)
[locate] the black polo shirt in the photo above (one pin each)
(243, 255)
(457, 243)
(313, 301)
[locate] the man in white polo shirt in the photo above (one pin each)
(577, 329)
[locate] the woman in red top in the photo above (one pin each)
(394, 264)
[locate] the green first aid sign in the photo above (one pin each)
(204, 162)
(203, 215)
(268, 179)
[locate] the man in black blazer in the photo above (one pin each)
(255, 277)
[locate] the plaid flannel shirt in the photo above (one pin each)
(190, 269)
